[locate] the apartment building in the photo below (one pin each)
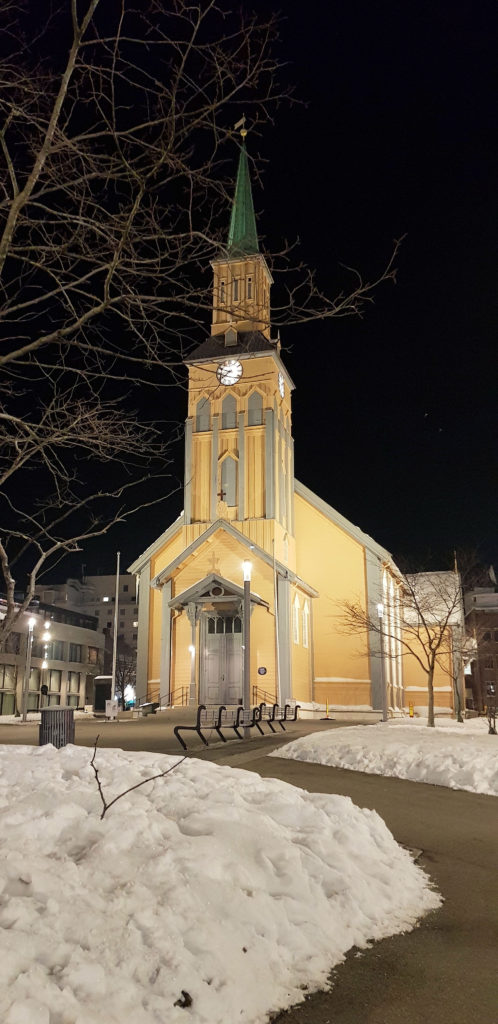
(96, 596)
(60, 671)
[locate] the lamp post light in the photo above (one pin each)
(46, 638)
(27, 668)
(246, 691)
(380, 613)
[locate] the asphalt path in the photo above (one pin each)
(446, 970)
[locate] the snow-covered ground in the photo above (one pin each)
(241, 892)
(461, 756)
(35, 716)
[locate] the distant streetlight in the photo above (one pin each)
(246, 691)
(380, 613)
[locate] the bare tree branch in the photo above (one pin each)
(107, 805)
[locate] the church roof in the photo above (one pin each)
(247, 343)
(242, 235)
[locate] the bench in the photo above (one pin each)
(149, 709)
(219, 717)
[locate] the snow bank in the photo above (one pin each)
(238, 890)
(460, 756)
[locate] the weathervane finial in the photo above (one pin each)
(242, 125)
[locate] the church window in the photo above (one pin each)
(295, 620)
(202, 414)
(210, 625)
(255, 409)
(219, 625)
(229, 481)
(229, 413)
(222, 293)
(283, 496)
(235, 289)
(249, 287)
(237, 625)
(228, 624)
(306, 624)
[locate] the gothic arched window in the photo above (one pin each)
(295, 620)
(229, 413)
(255, 409)
(203, 414)
(229, 481)
(306, 624)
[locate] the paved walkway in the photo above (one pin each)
(443, 972)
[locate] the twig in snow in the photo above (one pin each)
(131, 788)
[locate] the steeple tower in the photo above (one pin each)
(242, 280)
(243, 236)
(239, 463)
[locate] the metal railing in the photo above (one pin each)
(178, 697)
(260, 696)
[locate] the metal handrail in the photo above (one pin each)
(178, 696)
(262, 696)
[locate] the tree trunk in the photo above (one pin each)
(430, 690)
(458, 702)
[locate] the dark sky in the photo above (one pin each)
(394, 415)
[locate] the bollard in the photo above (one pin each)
(56, 726)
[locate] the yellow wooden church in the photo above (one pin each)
(242, 503)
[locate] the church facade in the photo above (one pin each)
(242, 504)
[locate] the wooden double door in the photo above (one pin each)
(221, 661)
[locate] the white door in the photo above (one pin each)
(221, 667)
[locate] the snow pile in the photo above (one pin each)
(240, 891)
(461, 756)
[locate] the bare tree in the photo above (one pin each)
(126, 669)
(421, 626)
(113, 124)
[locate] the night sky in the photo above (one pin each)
(394, 415)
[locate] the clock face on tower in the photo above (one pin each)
(281, 384)
(229, 372)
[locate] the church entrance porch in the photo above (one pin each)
(212, 625)
(221, 658)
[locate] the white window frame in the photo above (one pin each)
(296, 607)
(306, 624)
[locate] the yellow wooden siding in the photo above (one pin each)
(168, 553)
(302, 689)
(255, 473)
(343, 694)
(155, 635)
(263, 653)
(180, 654)
(224, 555)
(334, 564)
(201, 477)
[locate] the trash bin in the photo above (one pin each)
(57, 726)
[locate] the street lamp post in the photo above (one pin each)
(27, 666)
(246, 693)
(380, 613)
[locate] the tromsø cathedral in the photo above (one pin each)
(242, 502)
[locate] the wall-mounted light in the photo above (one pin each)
(191, 649)
(380, 610)
(247, 568)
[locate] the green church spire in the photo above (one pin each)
(243, 236)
